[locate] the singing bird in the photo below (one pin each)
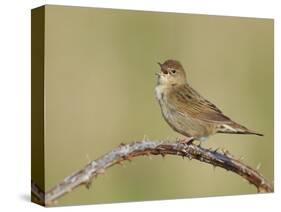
(186, 111)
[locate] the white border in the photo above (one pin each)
(15, 102)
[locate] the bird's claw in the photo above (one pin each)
(187, 141)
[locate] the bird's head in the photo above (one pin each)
(172, 73)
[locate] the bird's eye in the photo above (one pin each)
(173, 71)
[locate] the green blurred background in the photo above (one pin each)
(100, 79)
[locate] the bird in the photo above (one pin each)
(186, 111)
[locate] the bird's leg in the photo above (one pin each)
(187, 140)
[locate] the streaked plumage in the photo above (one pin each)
(186, 111)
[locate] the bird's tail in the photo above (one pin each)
(235, 128)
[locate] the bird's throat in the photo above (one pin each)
(159, 91)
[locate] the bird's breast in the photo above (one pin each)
(160, 93)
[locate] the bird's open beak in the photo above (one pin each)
(162, 68)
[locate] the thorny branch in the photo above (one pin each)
(141, 148)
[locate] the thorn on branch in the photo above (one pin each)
(100, 171)
(88, 184)
(241, 159)
(258, 166)
(227, 153)
(119, 162)
(216, 150)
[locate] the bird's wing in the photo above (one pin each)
(188, 102)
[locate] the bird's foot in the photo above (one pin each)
(186, 140)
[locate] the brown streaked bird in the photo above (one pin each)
(186, 111)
